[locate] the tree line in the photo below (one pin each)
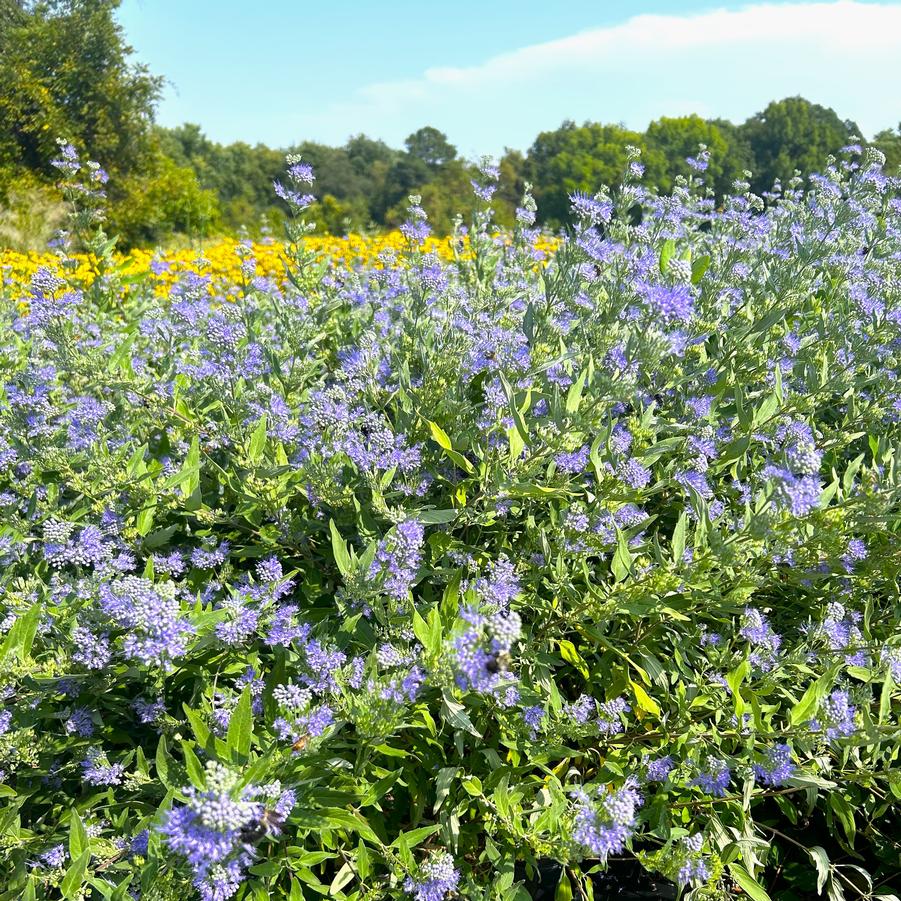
(66, 70)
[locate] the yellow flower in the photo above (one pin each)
(222, 263)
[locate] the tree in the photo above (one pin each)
(678, 138)
(510, 187)
(445, 195)
(366, 153)
(583, 158)
(407, 175)
(431, 146)
(163, 200)
(65, 71)
(794, 134)
(889, 142)
(240, 175)
(738, 153)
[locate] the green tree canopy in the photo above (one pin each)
(794, 134)
(889, 142)
(431, 146)
(678, 138)
(65, 71)
(583, 158)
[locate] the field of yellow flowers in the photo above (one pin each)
(222, 261)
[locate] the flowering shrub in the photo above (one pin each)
(401, 581)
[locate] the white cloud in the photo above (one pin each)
(726, 62)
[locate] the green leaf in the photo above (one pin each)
(258, 440)
(162, 762)
(679, 534)
(515, 413)
(851, 473)
(644, 700)
(698, 268)
(821, 861)
(187, 479)
(734, 679)
(191, 469)
(343, 878)
(885, 698)
(120, 359)
(434, 633)
(564, 891)
(766, 410)
(144, 520)
(749, 885)
(621, 565)
(194, 767)
(569, 653)
(72, 881)
(517, 445)
(734, 450)
(78, 836)
(667, 252)
(364, 862)
(441, 438)
(334, 818)
(778, 387)
(240, 726)
(804, 710)
(574, 395)
(198, 726)
(20, 637)
(421, 629)
(443, 782)
(121, 892)
(455, 714)
(845, 814)
(413, 837)
(339, 549)
(436, 517)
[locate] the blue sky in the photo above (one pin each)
(494, 73)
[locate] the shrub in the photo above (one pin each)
(30, 213)
(401, 582)
(165, 200)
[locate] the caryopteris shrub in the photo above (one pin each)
(403, 582)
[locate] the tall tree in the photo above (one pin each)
(583, 158)
(431, 146)
(678, 139)
(66, 71)
(794, 134)
(889, 142)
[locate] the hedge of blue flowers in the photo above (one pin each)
(401, 583)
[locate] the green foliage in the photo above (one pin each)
(889, 142)
(794, 134)
(678, 139)
(582, 158)
(65, 71)
(30, 212)
(431, 146)
(164, 200)
(418, 581)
